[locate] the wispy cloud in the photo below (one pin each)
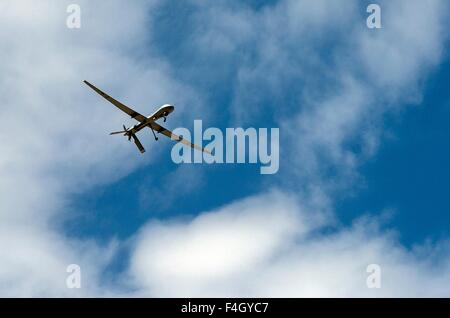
(271, 246)
(312, 65)
(49, 146)
(341, 79)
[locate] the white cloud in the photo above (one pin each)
(335, 102)
(375, 72)
(264, 245)
(270, 246)
(412, 40)
(54, 131)
(217, 244)
(34, 260)
(316, 70)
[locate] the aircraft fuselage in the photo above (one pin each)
(161, 112)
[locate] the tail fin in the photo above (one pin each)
(138, 143)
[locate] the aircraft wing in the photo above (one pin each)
(118, 104)
(158, 128)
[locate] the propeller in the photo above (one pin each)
(129, 133)
(124, 131)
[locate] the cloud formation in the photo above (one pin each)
(335, 101)
(271, 246)
(341, 79)
(49, 149)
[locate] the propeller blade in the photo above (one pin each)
(124, 131)
(117, 132)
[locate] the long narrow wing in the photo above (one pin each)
(158, 128)
(118, 104)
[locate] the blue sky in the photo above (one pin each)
(410, 173)
(408, 176)
(363, 118)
